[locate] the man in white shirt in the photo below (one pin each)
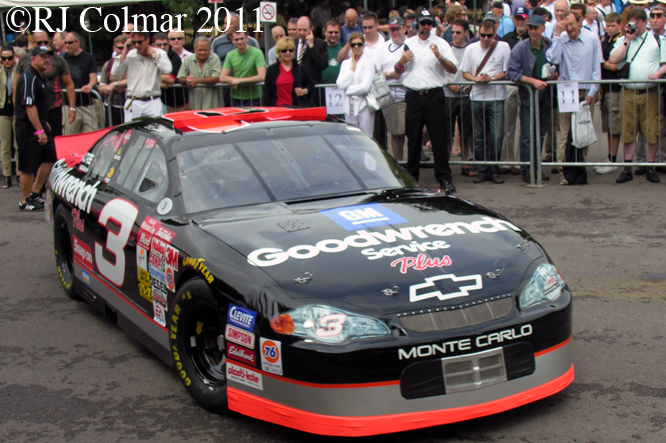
(373, 39)
(425, 65)
(176, 42)
(485, 62)
(389, 54)
(144, 66)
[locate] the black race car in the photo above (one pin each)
(290, 270)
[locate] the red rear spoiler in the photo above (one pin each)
(73, 147)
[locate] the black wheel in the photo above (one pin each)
(196, 331)
(64, 252)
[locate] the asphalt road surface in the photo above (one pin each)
(68, 374)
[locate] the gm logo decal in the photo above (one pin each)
(356, 217)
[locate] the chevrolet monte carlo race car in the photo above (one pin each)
(290, 270)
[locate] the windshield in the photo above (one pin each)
(279, 169)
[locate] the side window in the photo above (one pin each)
(104, 152)
(143, 169)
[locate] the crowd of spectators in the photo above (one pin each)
(421, 53)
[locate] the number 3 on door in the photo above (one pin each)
(123, 213)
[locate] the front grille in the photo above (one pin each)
(458, 317)
(474, 371)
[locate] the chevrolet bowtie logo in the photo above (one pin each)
(474, 283)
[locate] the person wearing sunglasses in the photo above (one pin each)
(425, 65)
(83, 69)
(487, 99)
(201, 68)
(117, 85)
(175, 99)
(144, 66)
(658, 19)
(355, 79)
(7, 62)
(287, 83)
(177, 42)
(58, 80)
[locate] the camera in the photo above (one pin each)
(631, 28)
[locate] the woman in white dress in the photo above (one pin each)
(355, 78)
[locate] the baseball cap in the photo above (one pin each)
(491, 16)
(41, 50)
(522, 12)
(425, 16)
(536, 20)
(639, 2)
(396, 22)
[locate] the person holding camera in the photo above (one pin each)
(640, 101)
(144, 65)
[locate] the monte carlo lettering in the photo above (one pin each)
(74, 190)
(265, 257)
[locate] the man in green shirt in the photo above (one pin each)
(249, 67)
(332, 37)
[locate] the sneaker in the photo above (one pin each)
(31, 205)
(447, 187)
(497, 180)
(37, 198)
(652, 176)
(602, 170)
(625, 177)
(563, 181)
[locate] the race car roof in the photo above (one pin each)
(229, 119)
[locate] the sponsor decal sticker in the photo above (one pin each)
(155, 262)
(241, 354)
(170, 280)
(363, 216)
(145, 291)
(165, 206)
(148, 228)
(156, 274)
(82, 252)
(165, 235)
(265, 257)
(244, 376)
(142, 258)
(85, 162)
(271, 356)
(420, 263)
(241, 317)
(86, 277)
(157, 248)
(77, 221)
(465, 344)
(171, 257)
(454, 286)
(159, 314)
(74, 190)
(239, 336)
(143, 276)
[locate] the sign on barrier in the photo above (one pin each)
(334, 104)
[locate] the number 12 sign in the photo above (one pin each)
(334, 100)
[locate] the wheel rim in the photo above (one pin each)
(206, 344)
(65, 247)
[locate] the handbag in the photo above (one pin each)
(622, 69)
(582, 127)
(379, 96)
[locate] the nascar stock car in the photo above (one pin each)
(290, 270)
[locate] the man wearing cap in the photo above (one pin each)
(144, 65)
(491, 17)
(487, 99)
(526, 66)
(512, 102)
(425, 65)
(505, 22)
(389, 54)
(36, 149)
(640, 101)
(578, 57)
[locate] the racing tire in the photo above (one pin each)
(64, 252)
(196, 334)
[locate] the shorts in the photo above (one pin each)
(30, 153)
(640, 108)
(395, 118)
(610, 113)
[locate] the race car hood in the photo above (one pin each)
(387, 256)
